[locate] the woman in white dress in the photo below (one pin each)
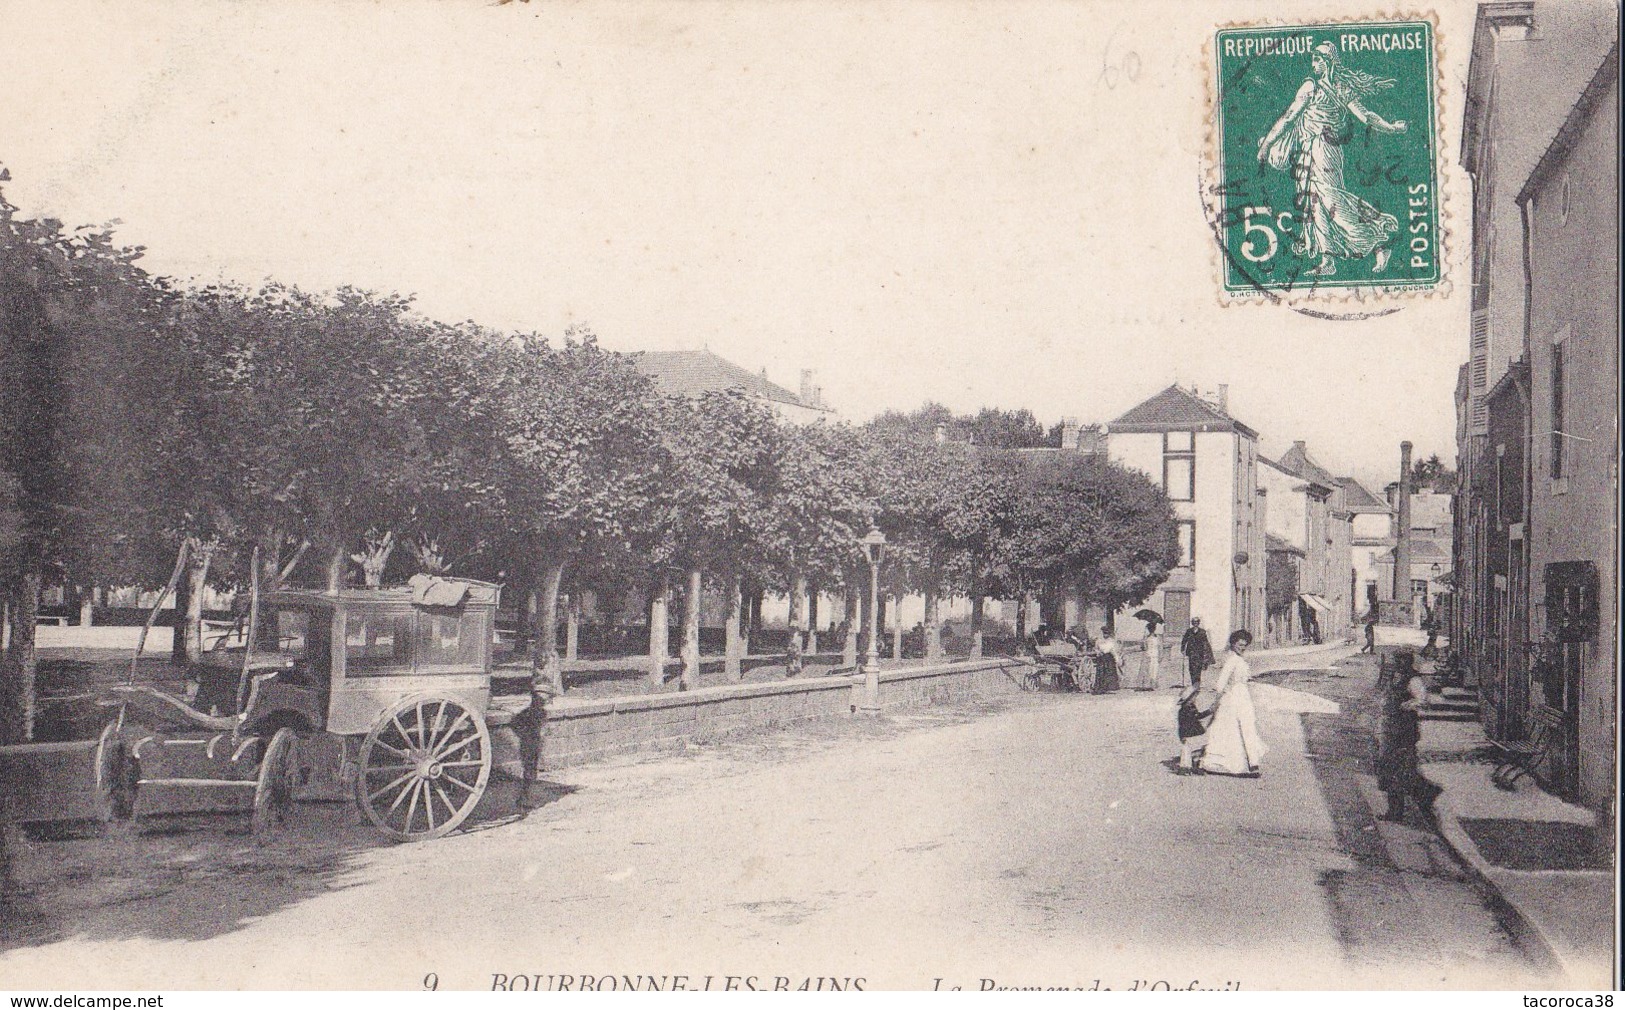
(1233, 744)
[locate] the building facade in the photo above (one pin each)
(1329, 558)
(1207, 463)
(1298, 518)
(1571, 205)
(1370, 540)
(1534, 536)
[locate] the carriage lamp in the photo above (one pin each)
(874, 548)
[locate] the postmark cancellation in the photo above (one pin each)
(1323, 175)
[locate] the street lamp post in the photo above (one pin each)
(874, 548)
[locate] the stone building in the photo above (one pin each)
(1207, 463)
(1534, 535)
(1570, 204)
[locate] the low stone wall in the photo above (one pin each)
(581, 731)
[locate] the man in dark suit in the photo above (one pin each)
(1197, 649)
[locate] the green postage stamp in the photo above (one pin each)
(1326, 152)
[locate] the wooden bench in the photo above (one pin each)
(1524, 757)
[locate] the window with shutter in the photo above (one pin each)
(1478, 372)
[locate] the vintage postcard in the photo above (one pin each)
(925, 495)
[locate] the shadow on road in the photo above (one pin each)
(194, 877)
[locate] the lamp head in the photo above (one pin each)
(874, 545)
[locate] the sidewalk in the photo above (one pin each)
(1537, 855)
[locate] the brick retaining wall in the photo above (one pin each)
(582, 731)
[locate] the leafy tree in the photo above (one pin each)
(934, 507)
(81, 340)
(718, 475)
(580, 470)
(1086, 525)
(1432, 475)
(820, 502)
(990, 427)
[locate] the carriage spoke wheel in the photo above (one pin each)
(115, 783)
(278, 777)
(423, 767)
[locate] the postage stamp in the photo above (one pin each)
(1326, 163)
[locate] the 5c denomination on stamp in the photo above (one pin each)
(1325, 179)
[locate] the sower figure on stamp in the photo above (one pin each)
(1308, 141)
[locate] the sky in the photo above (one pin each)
(982, 204)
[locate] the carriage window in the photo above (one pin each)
(303, 639)
(292, 633)
(378, 643)
(444, 640)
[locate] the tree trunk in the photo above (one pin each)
(849, 648)
(374, 557)
(659, 600)
(896, 627)
(812, 620)
(336, 561)
(793, 643)
(933, 635)
(572, 628)
(1022, 603)
(545, 670)
(87, 607)
(690, 677)
(733, 649)
(976, 603)
(19, 667)
(177, 623)
(197, 582)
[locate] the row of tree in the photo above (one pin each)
(149, 431)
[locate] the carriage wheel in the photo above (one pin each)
(273, 793)
(115, 785)
(423, 767)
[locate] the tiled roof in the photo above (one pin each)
(1423, 549)
(1275, 543)
(1176, 409)
(1357, 499)
(693, 373)
(1296, 461)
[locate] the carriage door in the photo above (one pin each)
(1571, 632)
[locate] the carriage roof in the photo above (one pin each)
(422, 591)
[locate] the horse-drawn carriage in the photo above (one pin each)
(391, 686)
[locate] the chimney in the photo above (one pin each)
(941, 434)
(1402, 529)
(1071, 432)
(1224, 398)
(1303, 449)
(806, 385)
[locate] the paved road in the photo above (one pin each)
(1040, 840)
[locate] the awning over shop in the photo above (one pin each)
(1315, 602)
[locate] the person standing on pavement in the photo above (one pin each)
(1403, 697)
(1106, 666)
(1198, 651)
(1153, 655)
(1370, 631)
(1233, 744)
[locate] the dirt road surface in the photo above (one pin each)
(1034, 840)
